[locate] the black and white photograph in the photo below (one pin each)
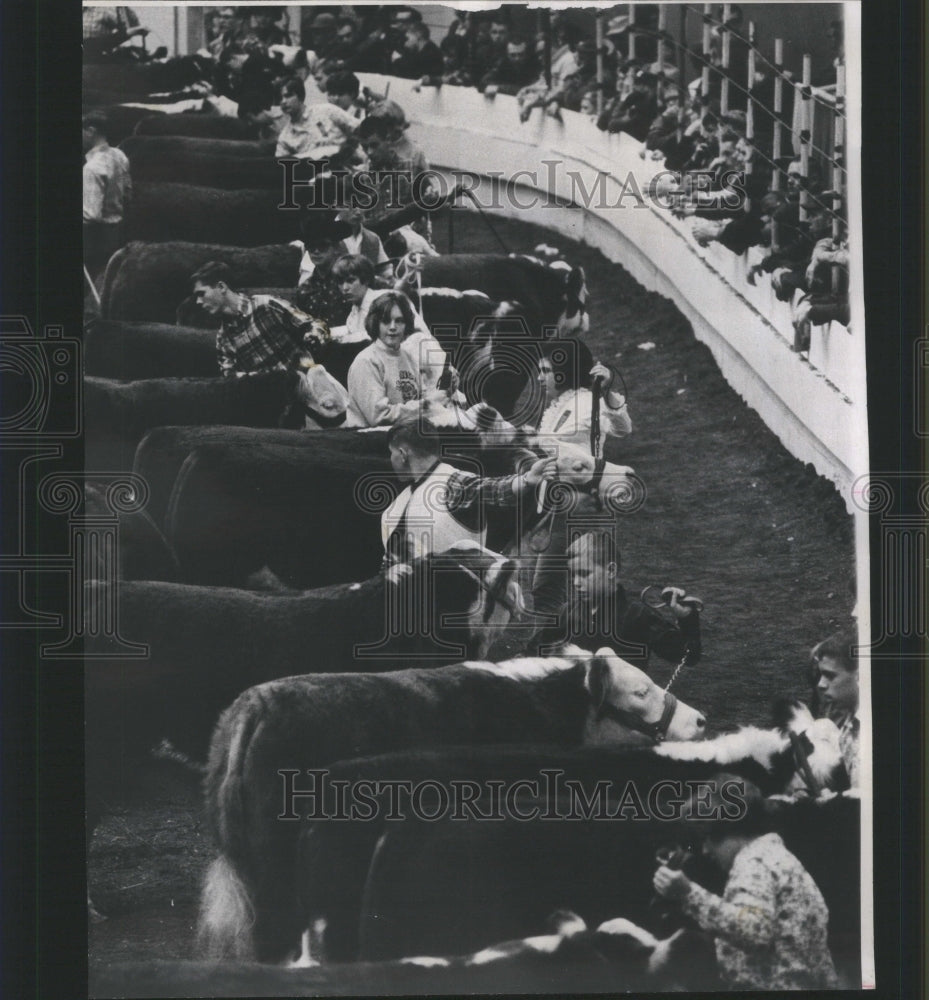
(470, 566)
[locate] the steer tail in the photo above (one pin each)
(227, 914)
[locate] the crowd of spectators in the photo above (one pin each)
(299, 83)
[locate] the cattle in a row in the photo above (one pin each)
(235, 509)
(127, 351)
(147, 281)
(160, 212)
(121, 119)
(142, 148)
(118, 414)
(196, 161)
(580, 829)
(162, 451)
(315, 720)
(617, 957)
(199, 126)
(197, 648)
(141, 79)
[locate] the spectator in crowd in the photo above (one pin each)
(355, 275)
(663, 133)
(566, 375)
(448, 501)
(645, 30)
(259, 333)
(347, 42)
(262, 30)
(601, 614)
(701, 142)
(323, 35)
(589, 105)
(519, 68)
(255, 87)
(635, 113)
(835, 664)
(228, 26)
(563, 64)
(490, 51)
(421, 59)
(105, 29)
(584, 78)
(366, 243)
(318, 292)
(771, 923)
(318, 131)
(385, 380)
(107, 190)
(455, 70)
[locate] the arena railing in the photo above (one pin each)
(815, 404)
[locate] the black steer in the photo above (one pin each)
(556, 293)
(125, 350)
(200, 126)
(162, 212)
(141, 148)
(162, 451)
(121, 119)
(118, 414)
(236, 508)
(459, 882)
(139, 79)
(147, 281)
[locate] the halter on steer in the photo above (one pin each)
(657, 732)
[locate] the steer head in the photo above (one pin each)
(628, 707)
(618, 488)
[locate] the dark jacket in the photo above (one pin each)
(415, 65)
(634, 631)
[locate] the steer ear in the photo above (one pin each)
(598, 682)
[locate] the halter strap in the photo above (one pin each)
(657, 732)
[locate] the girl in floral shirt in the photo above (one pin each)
(771, 923)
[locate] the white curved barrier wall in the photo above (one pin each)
(816, 407)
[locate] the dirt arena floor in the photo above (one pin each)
(729, 515)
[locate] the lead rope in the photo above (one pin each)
(678, 669)
(595, 390)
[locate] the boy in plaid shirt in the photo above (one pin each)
(258, 333)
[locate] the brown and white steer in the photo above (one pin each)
(249, 906)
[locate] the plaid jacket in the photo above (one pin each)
(264, 336)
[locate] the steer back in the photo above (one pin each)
(554, 293)
(148, 281)
(198, 125)
(118, 414)
(162, 451)
(162, 211)
(237, 508)
(118, 350)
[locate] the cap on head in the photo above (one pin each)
(322, 228)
